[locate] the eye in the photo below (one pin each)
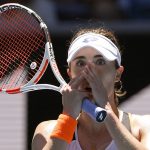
(80, 63)
(100, 61)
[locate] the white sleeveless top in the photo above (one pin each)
(75, 145)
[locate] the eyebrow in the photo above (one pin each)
(83, 57)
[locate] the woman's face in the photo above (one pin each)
(105, 70)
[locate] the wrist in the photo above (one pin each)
(71, 113)
(64, 128)
(111, 115)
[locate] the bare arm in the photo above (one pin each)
(42, 141)
(123, 138)
(144, 124)
(71, 100)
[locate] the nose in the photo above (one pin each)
(90, 63)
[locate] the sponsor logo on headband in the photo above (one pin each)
(90, 39)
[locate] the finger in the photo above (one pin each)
(91, 78)
(74, 83)
(92, 70)
(88, 74)
(65, 88)
(72, 80)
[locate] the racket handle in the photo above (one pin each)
(96, 113)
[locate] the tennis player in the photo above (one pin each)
(94, 68)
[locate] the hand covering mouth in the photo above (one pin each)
(88, 89)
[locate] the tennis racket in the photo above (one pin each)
(26, 51)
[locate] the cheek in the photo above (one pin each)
(74, 71)
(108, 78)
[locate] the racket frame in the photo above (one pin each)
(97, 113)
(49, 58)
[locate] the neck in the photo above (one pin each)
(87, 125)
(87, 122)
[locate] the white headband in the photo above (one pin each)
(101, 43)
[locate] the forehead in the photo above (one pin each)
(87, 52)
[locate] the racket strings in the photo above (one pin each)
(19, 46)
(16, 63)
(5, 54)
(19, 81)
(9, 59)
(19, 34)
(15, 41)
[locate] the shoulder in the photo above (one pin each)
(45, 128)
(140, 124)
(142, 120)
(42, 134)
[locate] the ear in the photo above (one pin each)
(69, 72)
(119, 73)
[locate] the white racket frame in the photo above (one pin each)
(48, 57)
(97, 113)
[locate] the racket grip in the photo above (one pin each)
(96, 113)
